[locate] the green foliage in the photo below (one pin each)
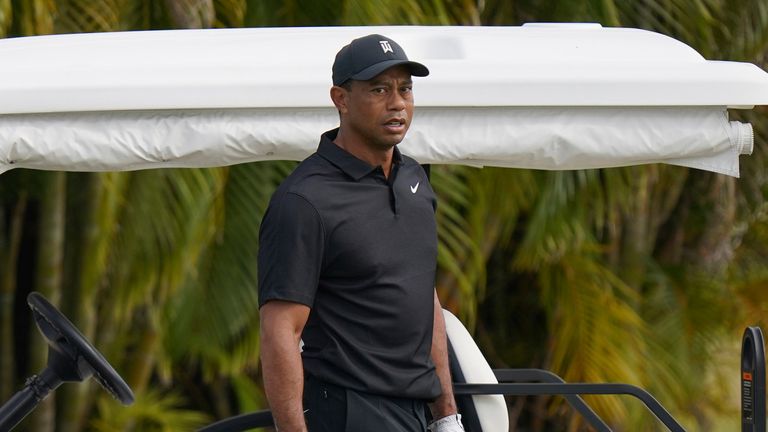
(6, 17)
(224, 285)
(643, 275)
(152, 411)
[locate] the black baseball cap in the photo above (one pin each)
(368, 56)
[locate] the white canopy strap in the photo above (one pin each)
(551, 138)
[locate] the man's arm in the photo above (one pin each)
(445, 404)
(281, 326)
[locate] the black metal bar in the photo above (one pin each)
(14, 411)
(752, 381)
(241, 422)
(26, 399)
(541, 375)
(516, 389)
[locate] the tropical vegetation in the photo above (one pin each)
(645, 275)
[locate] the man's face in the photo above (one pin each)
(379, 111)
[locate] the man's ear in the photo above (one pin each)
(339, 98)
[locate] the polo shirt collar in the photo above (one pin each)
(346, 161)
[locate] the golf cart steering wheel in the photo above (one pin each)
(70, 358)
(71, 355)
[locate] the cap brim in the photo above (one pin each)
(417, 69)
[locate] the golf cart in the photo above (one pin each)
(537, 96)
(478, 388)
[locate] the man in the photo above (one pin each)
(347, 264)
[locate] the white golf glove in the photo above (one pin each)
(451, 423)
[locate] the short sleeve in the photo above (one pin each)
(291, 243)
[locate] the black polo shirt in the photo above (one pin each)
(360, 250)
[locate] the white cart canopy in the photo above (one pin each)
(558, 96)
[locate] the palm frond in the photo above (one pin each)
(152, 411)
(230, 13)
(77, 16)
(224, 289)
(477, 209)
(595, 335)
(556, 224)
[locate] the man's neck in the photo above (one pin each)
(367, 153)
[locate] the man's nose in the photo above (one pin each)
(396, 101)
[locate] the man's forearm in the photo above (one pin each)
(281, 326)
(283, 382)
(445, 404)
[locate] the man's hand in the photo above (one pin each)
(451, 423)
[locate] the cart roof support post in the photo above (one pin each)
(753, 381)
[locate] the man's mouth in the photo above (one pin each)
(395, 124)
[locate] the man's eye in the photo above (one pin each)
(379, 90)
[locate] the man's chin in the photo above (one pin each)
(390, 141)
(387, 145)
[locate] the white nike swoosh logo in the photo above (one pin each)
(415, 188)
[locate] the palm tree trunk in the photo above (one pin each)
(104, 194)
(143, 357)
(9, 257)
(636, 243)
(49, 277)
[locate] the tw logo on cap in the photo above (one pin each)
(386, 46)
